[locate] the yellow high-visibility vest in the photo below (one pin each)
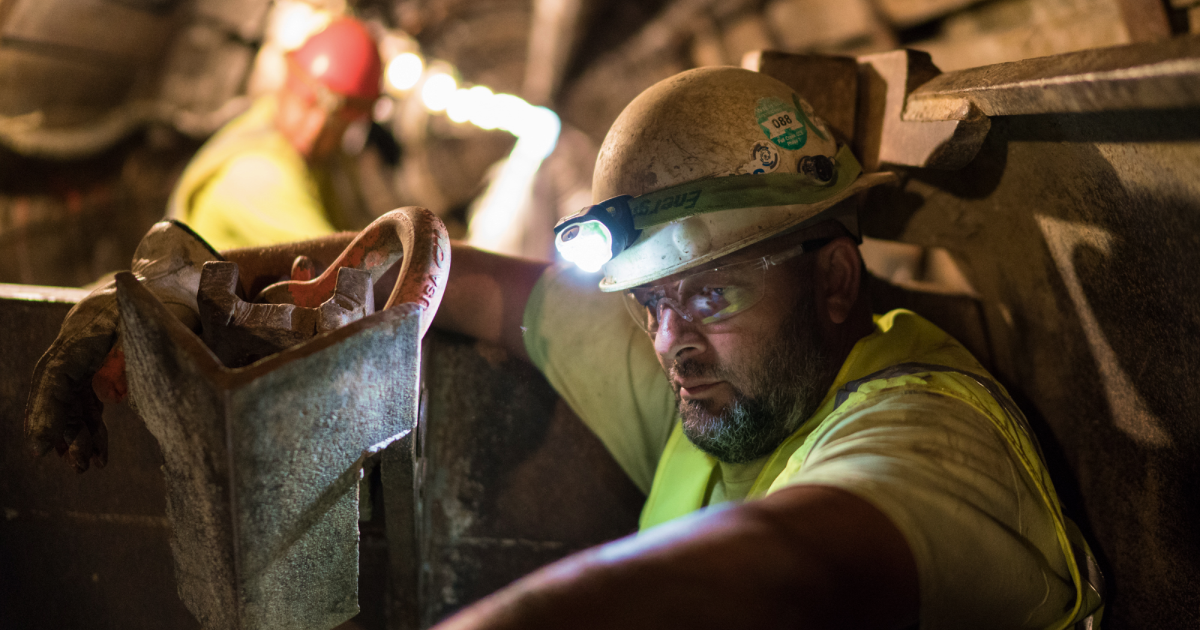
(270, 195)
(907, 352)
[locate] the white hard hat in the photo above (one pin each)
(705, 163)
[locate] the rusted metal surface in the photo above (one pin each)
(262, 463)
(507, 479)
(1161, 75)
(411, 234)
(240, 333)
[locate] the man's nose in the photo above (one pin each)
(676, 338)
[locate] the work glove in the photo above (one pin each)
(86, 365)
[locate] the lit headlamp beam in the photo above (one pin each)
(595, 234)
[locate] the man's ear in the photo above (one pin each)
(839, 268)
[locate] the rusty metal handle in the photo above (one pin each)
(411, 233)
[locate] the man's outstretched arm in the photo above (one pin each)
(804, 557)
(486, 295)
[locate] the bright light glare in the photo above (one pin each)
(459, 109)
(438, 90)
(383, 110)
(537, 133)
(319, 66)
(293, 22)
(589, 246)
(536, 128)
(481, 113)
(404, 70)
(508, 110)
(500, 214)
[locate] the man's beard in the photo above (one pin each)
(788, 384)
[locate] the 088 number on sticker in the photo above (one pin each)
(782, 123)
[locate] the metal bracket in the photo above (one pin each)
(262, 463)
(884, 135)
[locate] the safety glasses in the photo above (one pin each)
(712, 295)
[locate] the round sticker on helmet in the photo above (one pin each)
(782, 123)
(764, 158)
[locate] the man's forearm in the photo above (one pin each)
(806, 557)
(486, 295)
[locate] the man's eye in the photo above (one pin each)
(649, 300)
(708, 300)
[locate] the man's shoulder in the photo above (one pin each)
(902, 337)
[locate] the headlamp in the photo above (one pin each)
(592, 236)
(597, 234)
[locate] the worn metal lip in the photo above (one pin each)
(40, 293)
(232, 378)
(1145, 75)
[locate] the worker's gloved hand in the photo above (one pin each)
(85, 365)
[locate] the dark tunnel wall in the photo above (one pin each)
(67, 223)
(1081, 232)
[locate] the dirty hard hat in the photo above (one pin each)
(705, 163)
(344, 58)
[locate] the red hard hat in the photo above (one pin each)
(344, 58)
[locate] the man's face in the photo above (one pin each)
(314, 120)
(744, 384)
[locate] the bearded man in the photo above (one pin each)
(808, 463)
